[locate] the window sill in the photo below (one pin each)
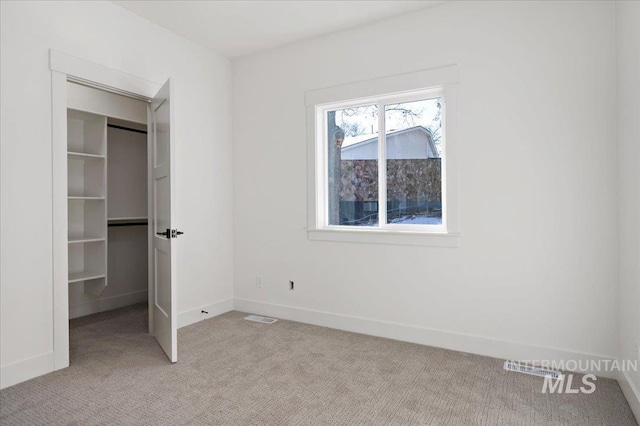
(383, 236)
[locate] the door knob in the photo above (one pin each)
(171, 233)
(166, 233)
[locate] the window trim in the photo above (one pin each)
(405, 88)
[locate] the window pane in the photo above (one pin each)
(414, 178)
(353, 166)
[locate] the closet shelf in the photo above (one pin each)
(76, 197)
(128, 218)
(85, 276)
(84, 156)
(85, 239)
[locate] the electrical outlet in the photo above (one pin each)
(291, 285)
(259, 282)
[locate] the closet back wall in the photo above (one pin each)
(107, 34)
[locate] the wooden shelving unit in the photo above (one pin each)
(87, 200)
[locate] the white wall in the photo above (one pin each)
(105, 33)
(628, 39)
(535, 275)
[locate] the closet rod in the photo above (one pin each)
(127, 128)
(128, 224)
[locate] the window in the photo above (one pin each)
(384, 165)
(383, 162)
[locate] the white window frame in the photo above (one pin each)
(428, 84)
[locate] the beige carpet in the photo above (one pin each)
(235, 372)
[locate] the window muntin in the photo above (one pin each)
(391, 159)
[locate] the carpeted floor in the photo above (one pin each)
(236, 372)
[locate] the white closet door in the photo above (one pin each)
(163, 318)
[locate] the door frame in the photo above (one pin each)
(64, 68)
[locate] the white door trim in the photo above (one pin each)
(102, 77)
(66, 67)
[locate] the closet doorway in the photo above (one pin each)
(114, 241)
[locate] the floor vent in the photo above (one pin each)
(532, 370)
(258, 318)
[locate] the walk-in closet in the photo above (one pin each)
(107, 201)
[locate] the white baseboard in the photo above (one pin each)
(479, 345)
(192, 316)
(107, 304)
(20, 371)
(631, 392)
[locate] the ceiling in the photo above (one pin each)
(237, 28)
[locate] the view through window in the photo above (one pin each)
(410, 150)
